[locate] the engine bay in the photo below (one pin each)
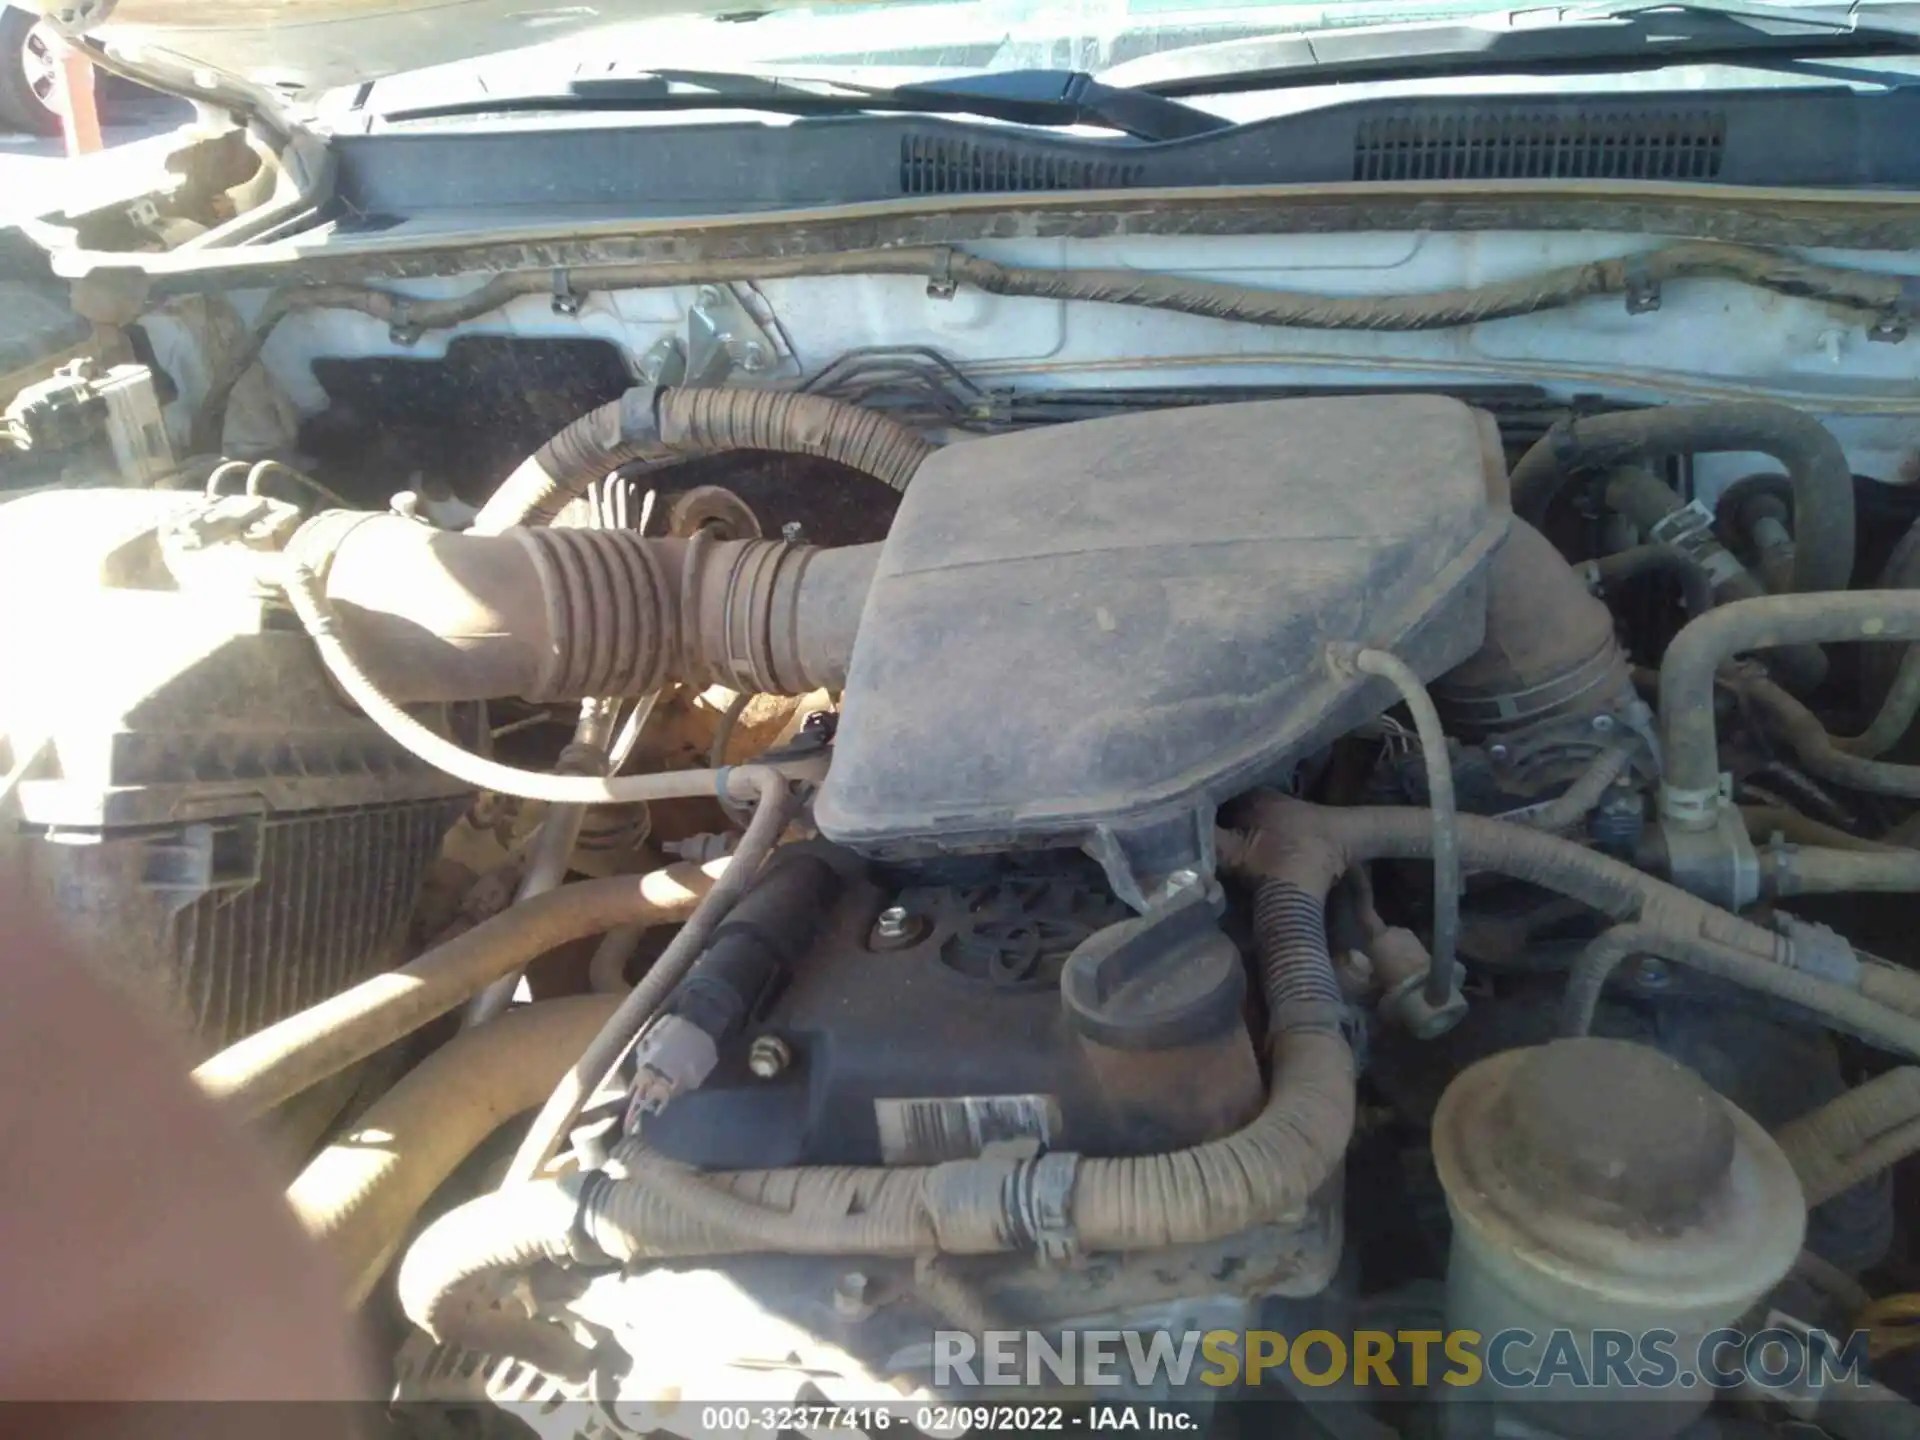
(940, 858)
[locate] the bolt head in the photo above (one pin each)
(1498, 752)
(768, 1056)
(1653, 973)
(753, 357)
(709, 295)
(1602, 724)
(792, 532)
(894, 922)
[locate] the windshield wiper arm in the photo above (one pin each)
(1021, 97)
(1605, 38)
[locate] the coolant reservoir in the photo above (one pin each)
(1596, 1185)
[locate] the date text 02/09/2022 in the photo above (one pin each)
(941, 1421)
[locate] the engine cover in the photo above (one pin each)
(1092, 634)
(950, 1033)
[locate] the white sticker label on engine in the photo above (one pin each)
(960, 1127)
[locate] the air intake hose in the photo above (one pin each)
(643, 1206)
(558, 614)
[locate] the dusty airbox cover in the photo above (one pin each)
(1093, 633)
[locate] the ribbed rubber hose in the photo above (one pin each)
(1840, 1007)
(1296, 966)
(303, 592)
(1443, 975)
(556, 1117)
(642, 1205)
(271, 1065)
(1854, 1137)
(360, 1195)
(1816, 465)
(665, 426)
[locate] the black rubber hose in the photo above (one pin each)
(1820, 752)
(1696, 586)
(1689, 795)
(1646, 500)
(1813, 459)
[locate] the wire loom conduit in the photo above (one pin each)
(1851, 1010)
(623, 1027)
(1880, 297)
(643, 1206)
(654, 427)
(1856, 1136)
(1362, 833)
(280, 1061)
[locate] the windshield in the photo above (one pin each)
(903, 43)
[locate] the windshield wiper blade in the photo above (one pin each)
(1021, 97)
(1602, 39)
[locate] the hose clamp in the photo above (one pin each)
(1038, 1196)
(1690, 531)
(1893, 323)
(940, 282)
(1642, 289)
(1717, 862)
(400, 327)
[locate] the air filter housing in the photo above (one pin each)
(1091, 634)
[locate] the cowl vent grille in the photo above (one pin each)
(943, 165)
(1541, 145)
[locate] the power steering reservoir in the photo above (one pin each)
(1596, 1185)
